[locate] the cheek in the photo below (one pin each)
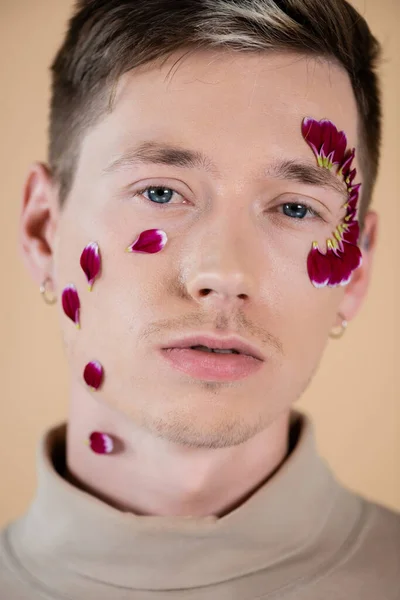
(126, 293)
(302, 313)
(306, 332)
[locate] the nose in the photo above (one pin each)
(221, 272)
(220, 290)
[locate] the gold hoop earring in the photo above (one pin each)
(338, 333)
(43, 291)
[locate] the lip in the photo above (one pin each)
(210, 366)
(226, 343)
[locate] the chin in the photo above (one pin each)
(199, 426)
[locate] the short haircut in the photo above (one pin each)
(107, 38)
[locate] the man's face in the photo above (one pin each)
(228, 233)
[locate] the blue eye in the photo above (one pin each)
(158, 194)
(298, 211)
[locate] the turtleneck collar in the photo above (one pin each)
(299, 516)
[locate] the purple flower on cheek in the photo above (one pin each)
(343, 255)
(90, 263)
(93, 374)
(71, 304)
(149, 241)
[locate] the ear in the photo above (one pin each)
(356, 290)
(38, 222)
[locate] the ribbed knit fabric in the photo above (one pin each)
(300, 536)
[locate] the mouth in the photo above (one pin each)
(201, 348)
(212, 364)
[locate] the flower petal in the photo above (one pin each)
(150, 241)
(333, 246)
(311, 132)
(93, 374)
(354, 192)
(351, 217)
(318, 266)
(338, 236)
(343, 264)
(90, 262)
(101, 443)
(71, 304)
(351, 232)
(343, 255)
(353, 259)
(338, 269)
(345, 167)
(353, 256)
(327, 143)
(350, 178)
(339, 147)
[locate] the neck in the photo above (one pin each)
(149, 475)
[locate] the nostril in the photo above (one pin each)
(205, 292)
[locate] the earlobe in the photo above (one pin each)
(38, 221)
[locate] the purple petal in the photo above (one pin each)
(93, 374)
(352, 206)
(350, 178)
(350, 232)
(354, 192)
(338, 268)
(333, 246)
(150, 241)
(311, 132)
(71, 304)
(338, 235)
(325, 140)
(101, 443)
(343, 265)
(345, 167)
(90, 262)
(353, 258)
(350, 217)
(340, 147)
(328, 136)
(330, 159)
(318, 266)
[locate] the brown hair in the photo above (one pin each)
(107, 38)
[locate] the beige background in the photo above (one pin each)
(354, 398)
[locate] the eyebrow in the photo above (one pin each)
(151, 152)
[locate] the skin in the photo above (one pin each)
(190, 447)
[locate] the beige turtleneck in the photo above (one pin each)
(300, 536)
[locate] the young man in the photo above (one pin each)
(203, 227)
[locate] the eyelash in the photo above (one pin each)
(161, 205)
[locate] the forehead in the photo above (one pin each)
(231, 105)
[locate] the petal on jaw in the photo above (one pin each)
(91, 262)
(93, 374)
(71, 304)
